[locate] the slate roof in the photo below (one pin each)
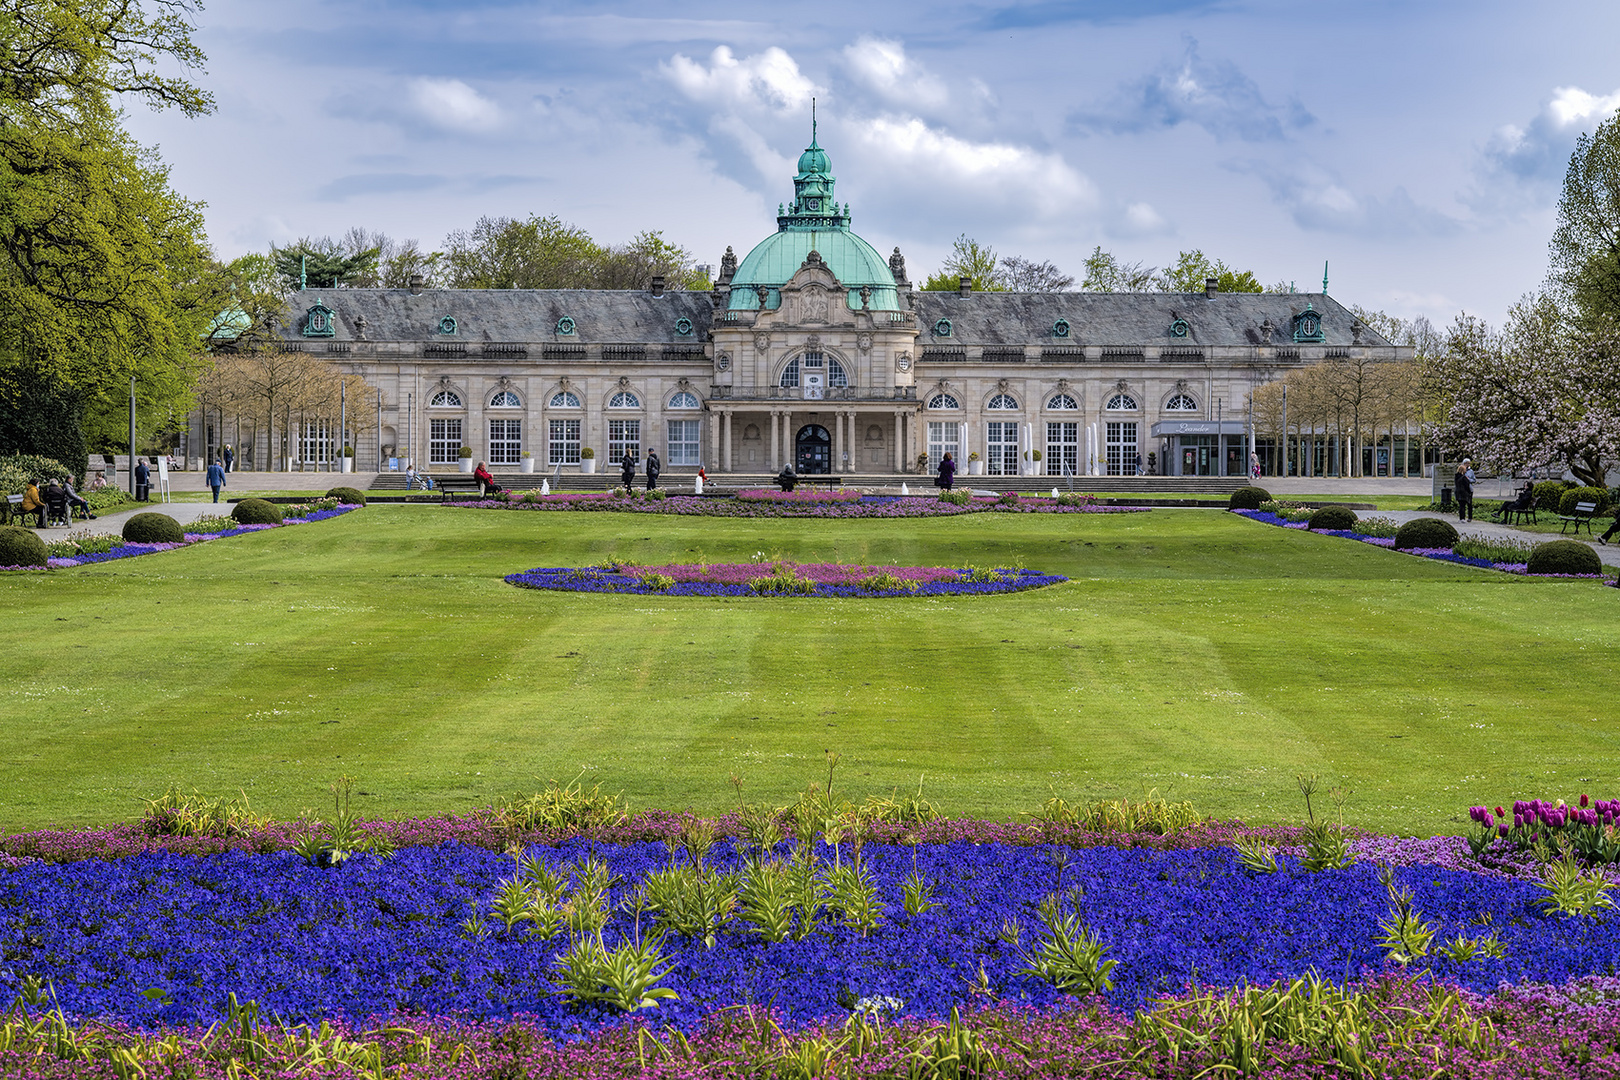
(601, 316)
(1127, 319)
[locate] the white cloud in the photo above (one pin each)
(453, 105)
(1320, 202)
(770, 80)
(1539, 150)
(882, 67)
(1140, 219)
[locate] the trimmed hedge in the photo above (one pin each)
(1425, 533)
(347, 495)
(1248, 498)
(153, 528)
(20, 547)
(1548, 492)
(1564, 557)
(1332, 517)
(17, 469)
(1567, 501)
(256, 512)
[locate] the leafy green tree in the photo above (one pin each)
(1105, 273)
(505, 253)
(104, 271)
(1026, 275)
(1584, 254)
(324, 263)
(634, 265)
(968, 259)
(1193, 268)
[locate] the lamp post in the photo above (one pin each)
(132, 436)
(1220, 439)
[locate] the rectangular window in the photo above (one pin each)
(1001, 448)
(315, 443)
(1063, 449)
(444, 442)
(1121, 448)
(564, 447)
(683, 442)
(505, 442)
(624, 435)
(944, 437)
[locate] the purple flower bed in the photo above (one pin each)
(867, 506)
(804, 495)
(1266, 517)
(130, 551)
(734, 579)
(387, 936)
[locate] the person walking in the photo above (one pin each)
(947, 471)
(627, 470)
(1614, 528)
(1138, 463)
(1463, 482)
(216, 477)
(230, 458)
(653, 469)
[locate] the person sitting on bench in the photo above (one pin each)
(75, 499)
(483, 476)
(787, 477)
(1522, 501)
(33, 504)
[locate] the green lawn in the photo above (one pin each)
(1193, 652)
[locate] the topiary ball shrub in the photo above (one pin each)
(1332, 517)
(1547, 494)
(348, 496)
(256, 512)
(153, 528)
(1248, 498)
(1564, 557)
(1567, 501)
(1425, 533)
(20, 547)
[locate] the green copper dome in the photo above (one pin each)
(814, 222)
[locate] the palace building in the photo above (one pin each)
(817, 350)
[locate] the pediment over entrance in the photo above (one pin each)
(814, 297)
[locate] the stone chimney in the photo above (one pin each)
(1211, 287)
(964, 285)
(416, 284)
(658, 285)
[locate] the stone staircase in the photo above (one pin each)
(681, 481)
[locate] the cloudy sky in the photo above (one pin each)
(1417, 147)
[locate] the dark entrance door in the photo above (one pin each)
(812, 450)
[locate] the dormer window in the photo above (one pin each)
(1308, 325)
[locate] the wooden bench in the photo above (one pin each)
(1507, 512)
(14, 511)
(454, 488)
(1584, 512)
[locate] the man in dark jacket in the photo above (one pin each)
(1463, 482)
(627, 469)
(143, 480)
(653, 469)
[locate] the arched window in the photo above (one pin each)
(624, 399)
(835, 373)
(505, 399)
(1181, 403)
(790, 374)
(1003, 401)
(685, 400)
(943, 401)
(1062, 401)
(1121, 403)
(445, 399)
(562, 399)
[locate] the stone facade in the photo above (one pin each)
(836, 363)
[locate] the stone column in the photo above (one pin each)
(770, 441)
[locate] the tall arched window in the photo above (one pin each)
(1121, 403)
(624, 399)
(835, 373)
(685, 400)
(1003, 401)
(445, 399)
(562, 399)
(943, 401)
(790, 374)
(505, 399)
(1181, 403)
(1062, 401)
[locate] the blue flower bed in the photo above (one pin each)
(601, 579)
(130, 551)
(382, 936)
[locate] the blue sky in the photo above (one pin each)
(1417, 147)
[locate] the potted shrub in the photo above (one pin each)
(466, 459)
(975, 465)
(346, 462)
(587, 460)
(526, 462)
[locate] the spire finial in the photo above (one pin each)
(1324, 277)
(812, 121)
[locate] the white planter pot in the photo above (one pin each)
(526, 465)
(975, 468)
(466, 464)
(587, 465)
(346, 465)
